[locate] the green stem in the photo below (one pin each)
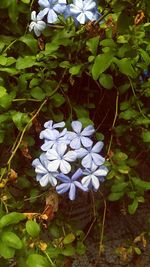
(25, 99)
(114, 122)
(51, 262)
(13, 42)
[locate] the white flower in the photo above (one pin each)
(37, 25)
(94, 177)
(90, 155)
(58, 159)
(80, 136)
(44, 176)
(83, 10)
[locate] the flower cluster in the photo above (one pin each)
(80, 10)
(70, 159)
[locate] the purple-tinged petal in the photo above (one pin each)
(42, 13)
(72, 191)
(77, 174)
(61, 149)
(81, 18)
(49, 134)
(88, 5)
(49, 124)
(76, 126)
(62, 188)
(63, 178)
(44, 3)
(79, 185)
(86, 141)
(86, 181)
(65, 167)
(44, 180)
(102, 171)
(88, 131)
(95, 182)
(59, 8)
(47, 145)
(52, 154)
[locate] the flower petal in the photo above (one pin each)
(62, 188)
(65, 167)
(49, 134)
(53, 165)
(61, 149)
(74, 9)
(42, 13)
(88, 131)
(81, 152)
(88, 5)
(52, 16)
(86, 141)
(81, 18)
(76, 126)
(79, 185)
(44, 3)
(95, 182)
(98, 159)
(97, 147)
(52, 154)
(70, 156)
(33, 15)
(72, 191)
(86, 181)
(59, 8)
(102, 171)
(87, 161)
(75, 143)
(63, 178)
(76, 175)
(44, 180)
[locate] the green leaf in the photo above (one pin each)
(30, 41)
(125, 66)
(137, 250)
(69, 238)
(68, 251)
(106, 80)
(115, 196)
(3, 60)
(101, 63)
(92, 44)
(140, 183)
(37, 93)
(20, 119)
(11, 240)
(25, 62)
(128, 114)
(75, 70)
(108, 43)
(119, 187)
(36, 260)
(133, 206)
(5, 251)
(5, 4)
(146, 136)
(5, 101)
(54, 231)
(2, 91)
(123, 169)
(80, 248)
(11, 218)
(57, 100)
(120, 156)
(13, 11)
(32, 228)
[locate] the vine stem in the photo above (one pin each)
(103, 225)
(48, 257)
(30, 121)
(114, 122)
(13, 42)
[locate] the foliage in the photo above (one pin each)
(95, 73)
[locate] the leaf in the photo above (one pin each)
(75, 70)
(13, 11)
(133, 206)
(115, 196)
(2, 91)
(137, 250)
(119, 187)
(69, 238)
(92, 44)
(124, 169)
(3, 60)
(5, 251)
(125, 66)
(68, 251)
(140, 183)
(101, 63)
(11, 240)
(25, 62)
(30, 41)
(36, 260)
(120, 156)
(146, 136)
(32, 228)
(106, 81)
(20, 119)
(11, 218)
(5, 101)
(37, 93)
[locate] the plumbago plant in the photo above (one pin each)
(84, 63)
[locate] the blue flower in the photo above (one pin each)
(44, 176)
(37, 25)
(51, 9)
(80, 136)
(70, 184)
(94, 177)
(53, 138)
(83, 10)
(59, 159)
(90, 155)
